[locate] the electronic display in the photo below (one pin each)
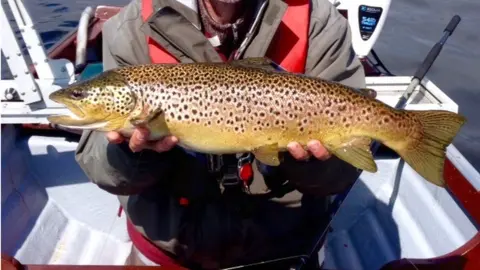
(368, 18)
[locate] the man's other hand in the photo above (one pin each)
(314, 148)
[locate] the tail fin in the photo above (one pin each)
(427, 154)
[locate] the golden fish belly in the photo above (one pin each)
(219, 139)
(209, 137)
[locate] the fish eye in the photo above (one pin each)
(76, 94)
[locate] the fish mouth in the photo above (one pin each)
(77, 119)
(74, 118)
(73, 121)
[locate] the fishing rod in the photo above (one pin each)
(416, 80)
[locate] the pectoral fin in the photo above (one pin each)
(143, 118)
(268, 154)
(356, 151)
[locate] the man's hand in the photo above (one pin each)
(138, 141)
(314, 147)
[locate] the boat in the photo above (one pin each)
(54, 218)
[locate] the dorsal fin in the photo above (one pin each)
(369, 92)
(264, 63)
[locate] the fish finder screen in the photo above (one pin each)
(368, 18)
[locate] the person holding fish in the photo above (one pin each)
(202, 210)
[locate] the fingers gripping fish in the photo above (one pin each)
(247, 106)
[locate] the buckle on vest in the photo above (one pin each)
(215, 163)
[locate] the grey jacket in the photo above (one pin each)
(220, 229)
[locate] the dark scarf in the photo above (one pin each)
(225, 32)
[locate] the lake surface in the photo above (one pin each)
(413, 26)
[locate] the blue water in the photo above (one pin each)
(413, 26)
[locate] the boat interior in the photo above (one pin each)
(53, 215)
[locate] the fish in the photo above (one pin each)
(249, 105)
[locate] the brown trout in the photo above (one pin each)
(248, 106)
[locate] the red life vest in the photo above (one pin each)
(289, 45)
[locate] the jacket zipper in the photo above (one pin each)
(249, 35)
(235, 32)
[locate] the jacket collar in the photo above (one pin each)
(176, 25)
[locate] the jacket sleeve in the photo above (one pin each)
(330, 56)
(114, 167)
